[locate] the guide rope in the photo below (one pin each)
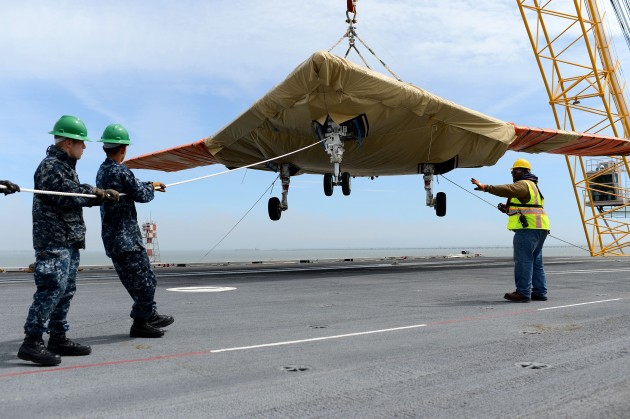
(171, 184)
(243, 167)
(241, 219)
(83, 195)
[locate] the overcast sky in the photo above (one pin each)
(176, 72)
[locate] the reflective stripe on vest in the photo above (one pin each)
(536, 217)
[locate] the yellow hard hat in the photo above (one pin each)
(522, 163)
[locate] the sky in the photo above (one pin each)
(176, 72)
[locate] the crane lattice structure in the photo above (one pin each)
(586, 93)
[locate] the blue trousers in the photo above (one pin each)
(55, 278)
(529, 271)
(134, 271)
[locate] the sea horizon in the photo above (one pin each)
(23, 258)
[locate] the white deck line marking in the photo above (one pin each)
(293, 342)
(201, 289)
(580, 304)
(588, 271)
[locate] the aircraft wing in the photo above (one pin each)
(396, 128)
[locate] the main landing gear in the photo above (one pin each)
(275, 206)
(439, 202)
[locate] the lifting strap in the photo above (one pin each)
(352, 6)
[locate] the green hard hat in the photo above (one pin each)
(115, 134)
(70, 127)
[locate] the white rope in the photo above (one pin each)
(169, 185)
(53, 192)
(242, 167)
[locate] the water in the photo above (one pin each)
(25, 258)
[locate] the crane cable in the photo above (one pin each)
(171, 184)
(622, 12)
(351, 34)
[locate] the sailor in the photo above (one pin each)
(9, 187)
(58, 234)
(530, 224)
(121, 233)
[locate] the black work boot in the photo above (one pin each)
(157, 320)
(142, 329)
(33, 349)
(60, 344)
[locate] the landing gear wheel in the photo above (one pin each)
(440, 204)
(328, 184)
(274, 208)
(346, 183)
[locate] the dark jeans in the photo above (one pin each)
(529, 272)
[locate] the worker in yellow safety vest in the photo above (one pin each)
(530, 224)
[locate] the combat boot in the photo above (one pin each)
(33, 350)
(158, 320)
(60, 344)
(142, 329)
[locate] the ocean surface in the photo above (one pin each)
(12, 259)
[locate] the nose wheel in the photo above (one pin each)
(333, 136)
(346, 183)
(330, 181)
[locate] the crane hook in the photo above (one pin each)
(351, 8)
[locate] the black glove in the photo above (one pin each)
(10, 187)
(502, 207)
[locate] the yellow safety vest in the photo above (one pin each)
(533, 211)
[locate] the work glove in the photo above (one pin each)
(112, 195)
(480, 186)
(502, 207)
(9, 188)
(159, 186)
(103, 195)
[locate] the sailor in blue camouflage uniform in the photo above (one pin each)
(58, 234)
(121, 233)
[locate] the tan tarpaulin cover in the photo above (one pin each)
(407, 126)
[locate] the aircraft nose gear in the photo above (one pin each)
(439, 202)
(275, 206)
(333, 137)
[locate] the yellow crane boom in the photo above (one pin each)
(586, 92)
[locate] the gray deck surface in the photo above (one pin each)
(377, 338)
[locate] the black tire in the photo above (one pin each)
(346, 183)
(274, 208)
(328, 184)
(440, 204)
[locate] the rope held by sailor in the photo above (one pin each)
(158, 186)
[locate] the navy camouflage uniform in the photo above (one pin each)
(121, 235)
(58, 234)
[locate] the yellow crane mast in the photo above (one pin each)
(586, 92)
